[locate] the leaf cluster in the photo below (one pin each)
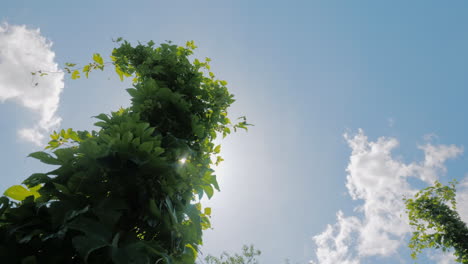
(128, 192)
(436, 223)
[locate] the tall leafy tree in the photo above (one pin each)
(128, 192)
(436, 223)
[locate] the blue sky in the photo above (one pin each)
(305, 73)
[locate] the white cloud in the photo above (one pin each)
(22, 51)
(435, 156)
(380, 182)
(333, 243)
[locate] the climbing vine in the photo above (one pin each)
(128, 192)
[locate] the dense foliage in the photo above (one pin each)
(436, 223)
(129, 192)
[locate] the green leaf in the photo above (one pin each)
(171, 210)
(147, 146)
(35, 188)
(19, 193)
(226, 131)
(190, 45)
(154, 208)
(192, 254)
(64, 155)
(90, 148)
(45, 158)
(91, 228)
(132, 91)
(100, 124)
(86, 245)
(119, 72)
(218, 160)
(61, 188)
(110, 210)
(127, 137)
(208, 190)
(199, 131)
(158, 151)
(86, 70)
(103, 117)
(75, 74)
(36, 179)
(207, 211)
(98, 59)
(217, 149)
(54, 135)
(214, 182)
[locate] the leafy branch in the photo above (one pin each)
(436, 223)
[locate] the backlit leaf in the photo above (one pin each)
(98, 59)
(75, 75)
(19, 193)
(207, 211)
(217, 149)
(208, 190)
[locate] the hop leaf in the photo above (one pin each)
(75, 74)
(98, 59)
